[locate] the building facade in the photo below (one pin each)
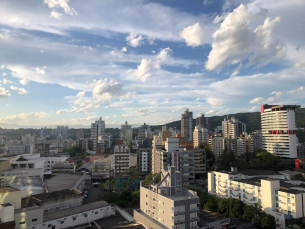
(279, 130)
(168, 204)
(97, 129)
(232, 127)
(200, 135)
(121, 160)
(126, 133)
(187, 125)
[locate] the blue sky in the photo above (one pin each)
(68, 62)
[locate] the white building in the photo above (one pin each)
(282, 199)
(167, 204)
(27, 139)
(19, 149)
(51, 161)
(126, 133)
(232, 127)
(97, 129)
(217, 145)
(278, 130)
(200, 135)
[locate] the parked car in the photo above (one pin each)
(95, 184)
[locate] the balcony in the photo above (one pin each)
(195, 218)
(194, 210)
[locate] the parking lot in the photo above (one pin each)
(93, 194)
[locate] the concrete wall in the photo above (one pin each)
(80, 183)
(13, 198)
(5, 165)
(27, 219)
(146, 221)
(62, 203)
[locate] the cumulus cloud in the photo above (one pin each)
(134, 40)
(142, 73)
(63, 111)
(257, 100)
(3, 74)
(128, 95)
(193, 35)
(237, 70)
(299, 65)
(4, 93)
(124, 49)
(235, 41)
(6, 81)
(105, 90)
(164, 53)
(252, 109)
(4, 36)
(23, 117)
(60, 4)
(56, 15)
(300, 89)
(24, 81)
(81, 94)
(21, 91)
(39, 70)
(290, 92)
(89, 118)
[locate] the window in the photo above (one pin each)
(254, 199)
(85, 215)
(276, 199)
(34, 220)
(277, 205)
(96, 213)
(23, 222)
(276, 191)
(288, 201)
(74, 218)
(244, 195)
(253, 192)
(49, 225)
(61, 222)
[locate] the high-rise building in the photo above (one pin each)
(200, 135)
(167, 204)
(44, 132)
(141, 132)
(121, 160)
(232, 127)
(97, 129)
(79, 134)
(126, 133)
(144, 161)
(187, 125)
(217, 145)
(278, 130)
(204, 121)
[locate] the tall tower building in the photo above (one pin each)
(97, 129)
(232, 127)
(187, 125)
(200, 134)
(126, 133)
(278, 130)
(204, 121)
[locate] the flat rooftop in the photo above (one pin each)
(27, 209)
(72, 211)
(62, 181)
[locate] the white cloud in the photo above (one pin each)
(24, 81)
(115, 116)
(193, 35)
(236, 41)
(300, 89)
(56, 15)
(164, 53)
(4, 74)
(134, 40)
(40, 70)
(257, 100)
(23, 117)
(153, 51)
(128, 95)
(210, 112)
(63, 111)
(236, 71)
(60, 4)
(105, 90)
(21, 91)
(124, 49)
(7, 105)
(6, 81)
(4, 36)
(81, 94)
(196, 99)
(142, 73)
(299, 65)
(4, 93)
(290, 92)
(252, 109)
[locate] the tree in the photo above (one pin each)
(248, 213)
(224, 206)
(74, 151)
(150, 177)
(236, 208)
(210, 157)
(268, 221)
(211, 204)
(109, 185)
(257, 215)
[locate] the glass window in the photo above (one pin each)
(276, 191)
(288, 201)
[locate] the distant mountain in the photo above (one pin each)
(251, 119)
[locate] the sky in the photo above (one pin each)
(70, 62)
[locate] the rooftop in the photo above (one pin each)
(87, 166)
(252, 172)
(62, 181)
(40, 198)
(8, 189)
(27, 209)
(73, 211)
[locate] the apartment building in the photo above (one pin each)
(97, 129)
(187, 125)
(280, 198)
(28, 139)
(217, 144)
(121, 160)
(156, 155)
(63, 167)
(43, 149)
(80, 134)
(100, 170)
(144, 162)
(256, 137)
(168, 204)
(126, 133)
(279, 130)
(200, 135)
(19, 149)
(232, 127)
